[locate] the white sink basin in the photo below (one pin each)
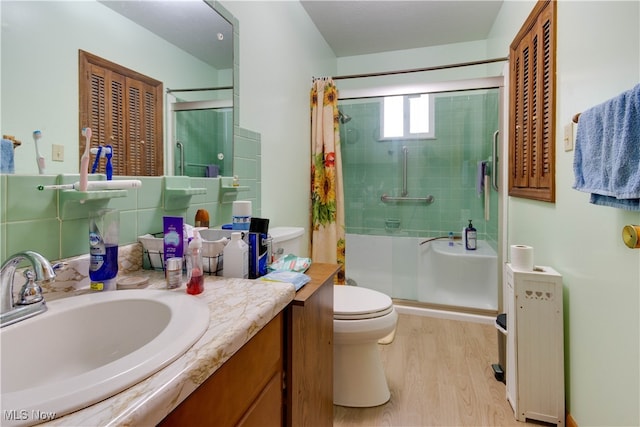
(89, 347)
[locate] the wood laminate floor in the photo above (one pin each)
(439, 373)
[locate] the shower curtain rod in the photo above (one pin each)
(199, 89)
(419, 70)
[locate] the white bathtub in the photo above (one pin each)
(432, 273)
(452, 275)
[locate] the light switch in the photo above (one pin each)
(57, 152)
(568, 137)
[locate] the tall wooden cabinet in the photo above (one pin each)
(535, 344)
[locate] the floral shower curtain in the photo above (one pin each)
(327, 197)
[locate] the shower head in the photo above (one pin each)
(343, 117)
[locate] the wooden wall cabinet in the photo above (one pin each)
(124, 109)
(532, 106)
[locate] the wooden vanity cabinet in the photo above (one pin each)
(245, 391)
(309, 351)
(282, 376)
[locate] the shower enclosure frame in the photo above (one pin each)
(499, 149)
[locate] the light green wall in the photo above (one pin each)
(40, 42)
(598, 57)
(280, 51)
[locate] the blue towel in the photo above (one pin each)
(607, 153)
(6, 156)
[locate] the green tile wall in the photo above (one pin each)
(204, 134)
(444, 167)
(31, 219)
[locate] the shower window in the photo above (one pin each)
(407, 117)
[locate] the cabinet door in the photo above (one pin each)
(249, 384)
(532, 107)
(124, 109)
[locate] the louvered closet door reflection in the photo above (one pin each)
(143, 151)
(106, 115)
(124, 110)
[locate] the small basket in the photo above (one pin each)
(153, 253)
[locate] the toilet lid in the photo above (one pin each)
(353, 302)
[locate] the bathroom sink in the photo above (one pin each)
(87, 348)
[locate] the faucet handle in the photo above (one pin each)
(31, 292)
(60, 266)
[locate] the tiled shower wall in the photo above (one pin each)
(212, 129)
(445, 167)
(31, 219)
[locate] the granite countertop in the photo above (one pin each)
(239, 309)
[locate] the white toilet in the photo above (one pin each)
(286, 240)
(361, 317)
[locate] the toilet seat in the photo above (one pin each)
(355, 303)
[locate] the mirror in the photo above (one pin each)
(188, 45)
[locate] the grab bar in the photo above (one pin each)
(384, 198)
(180, 145)
(405, 154)
(494, 161)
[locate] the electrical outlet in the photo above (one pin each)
(57, 152)
(568, 137)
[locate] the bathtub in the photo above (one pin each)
(433, 275)
(452, 275)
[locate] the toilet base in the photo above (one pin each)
(358, 376)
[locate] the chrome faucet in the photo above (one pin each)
(31, 302)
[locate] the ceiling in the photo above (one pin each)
(350, 27)
(193, 26)
(361, 26)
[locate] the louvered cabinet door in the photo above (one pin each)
(532, 107)
(124, 110)
(144, 151)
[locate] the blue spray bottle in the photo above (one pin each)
(103, 249)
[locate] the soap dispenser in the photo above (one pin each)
(470, 237)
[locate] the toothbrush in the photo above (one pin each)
(84, 161)
(37, 136)
(100, 152)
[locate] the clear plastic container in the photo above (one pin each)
(236, 258)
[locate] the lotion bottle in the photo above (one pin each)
(471, 237)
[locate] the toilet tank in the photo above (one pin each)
(286, 240)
